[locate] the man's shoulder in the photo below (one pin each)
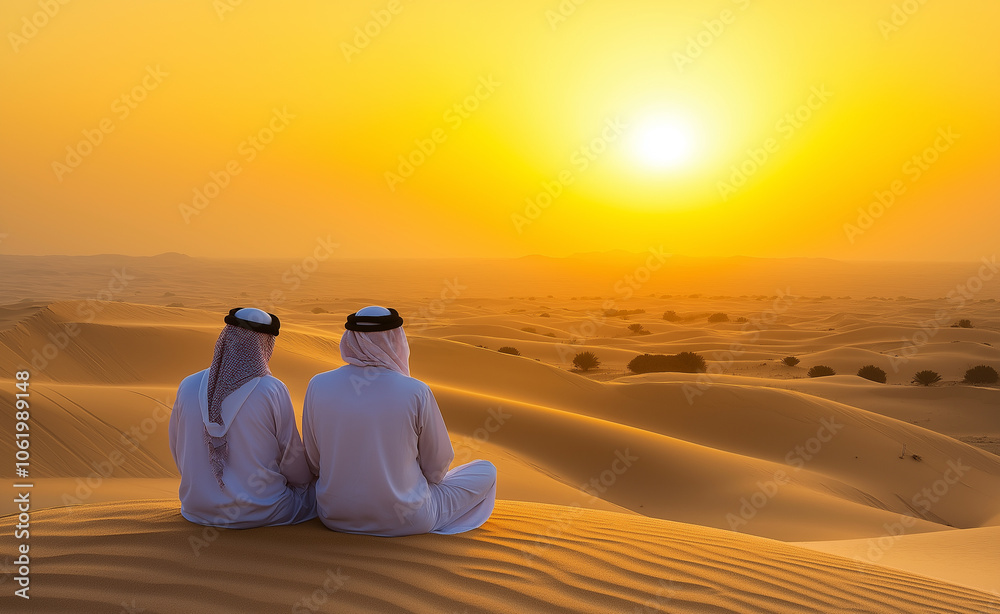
(412, 383)
(361, 376)
(269, 382)
(327, 376)
(192, 381)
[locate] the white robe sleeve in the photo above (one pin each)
(434, 451)
(175, 414)
(293, 455)
(309, 434)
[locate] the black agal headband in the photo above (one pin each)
(270, 329)
(371, 324)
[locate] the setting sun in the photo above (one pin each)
(663, 143)
(603, 128)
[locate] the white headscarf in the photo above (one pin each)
(386, 348)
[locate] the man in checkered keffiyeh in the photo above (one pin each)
(241, 354)
(234, 438)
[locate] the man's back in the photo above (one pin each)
(374, 437)
(265, 454)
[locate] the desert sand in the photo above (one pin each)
(749, 488)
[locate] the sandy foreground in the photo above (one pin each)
(528, 558)
(752, 488)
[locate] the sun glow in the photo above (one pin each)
(663, 143)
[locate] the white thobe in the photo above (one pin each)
(267, 479)
(379, 445)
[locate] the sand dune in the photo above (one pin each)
(968, 558)
(956, 411)
(736, 452)
(527, 558)
(596, 469)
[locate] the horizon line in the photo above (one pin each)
(575, 255)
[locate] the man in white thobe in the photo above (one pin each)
(376, 439)
(233, 435)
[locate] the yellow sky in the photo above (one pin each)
(501, 129)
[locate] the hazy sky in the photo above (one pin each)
(501, 129)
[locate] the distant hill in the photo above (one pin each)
(618, 274)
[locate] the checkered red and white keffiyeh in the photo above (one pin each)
(240, 355)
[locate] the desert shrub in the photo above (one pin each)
(175, 305)
(982, 374)
(166, 294)
(585, 361)
(926, 378)
(685, 362)
(637, 329)
(963, 324)
(509, 350)
(550, 334)
(529, 329)
(622, 313)
(544, 315)
(820, 371)
(718, 317)
(790, 361)
(873, 373)
(319, 310)
(741, 320)
(671, 316)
